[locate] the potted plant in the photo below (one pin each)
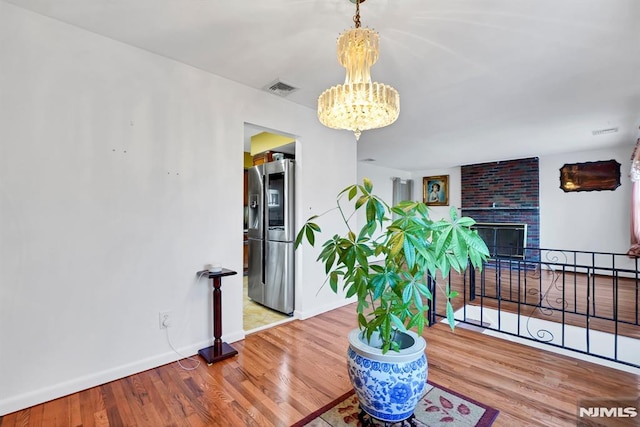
(385, 264)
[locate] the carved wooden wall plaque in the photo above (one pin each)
(590, 176)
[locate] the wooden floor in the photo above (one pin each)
(602, 298)
(284, 373)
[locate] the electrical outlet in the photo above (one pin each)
(164, 318)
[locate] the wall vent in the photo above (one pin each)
(604, 131)
(280, 88)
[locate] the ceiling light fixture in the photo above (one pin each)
(358, 104)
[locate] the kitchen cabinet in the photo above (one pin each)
(261, 158)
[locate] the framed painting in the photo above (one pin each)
(590, 176)
(435, 190)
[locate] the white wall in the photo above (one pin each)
(381, 179)
(455, 191)
(120, 177)
(586, 221)
(316, 192)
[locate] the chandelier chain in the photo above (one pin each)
(356, 17)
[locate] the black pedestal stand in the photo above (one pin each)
(367, 420)
(219, 350)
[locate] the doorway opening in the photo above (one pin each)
(261, 146)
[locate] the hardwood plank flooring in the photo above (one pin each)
(286, 372)
(576, 292)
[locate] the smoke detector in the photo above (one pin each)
(604, 131)
(280, 88)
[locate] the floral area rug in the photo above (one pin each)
(438, 407)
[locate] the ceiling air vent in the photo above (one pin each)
(280, 88)
(604, 131)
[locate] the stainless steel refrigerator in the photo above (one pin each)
(271, 235)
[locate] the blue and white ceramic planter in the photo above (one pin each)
(388, 385)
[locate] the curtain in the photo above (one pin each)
(402, 190)
(634, 251)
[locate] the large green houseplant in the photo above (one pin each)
(385, 262)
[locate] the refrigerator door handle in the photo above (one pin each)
(263, 264)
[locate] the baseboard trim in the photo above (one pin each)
(45, 394)
(302, 315)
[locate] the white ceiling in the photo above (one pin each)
(479, 80)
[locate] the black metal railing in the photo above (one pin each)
(587, 302)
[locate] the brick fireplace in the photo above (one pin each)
(505, 192)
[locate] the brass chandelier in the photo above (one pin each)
(358, 104)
